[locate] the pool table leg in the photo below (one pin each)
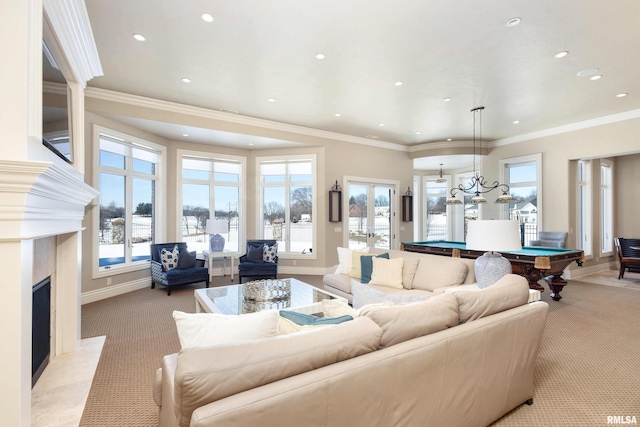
(556, 283)
(530, 273)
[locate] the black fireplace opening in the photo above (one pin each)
(41, 328)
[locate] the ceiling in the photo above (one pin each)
(462, 50)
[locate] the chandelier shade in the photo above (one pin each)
(478, 185)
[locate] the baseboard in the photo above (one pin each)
(112, 291)
(578, 272)
(300, 270)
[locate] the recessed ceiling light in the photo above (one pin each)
(185, 134)
(271, 100)
(562, 54)
(251, 143)
(621, 95)
(515, 122)
(448, 139)
(418, 133)
(447, 99)
(381, 124)
(587, 72)
(186, 80)
(139, 37)
(399, 83)
(206, 17)
(320, 56)
(513, 22)
(596, 77)
(337, 114)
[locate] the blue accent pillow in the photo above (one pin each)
(366, 266)
(186, 259)
(310, 319)
(254, 254)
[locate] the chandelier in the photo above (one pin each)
(478, 185)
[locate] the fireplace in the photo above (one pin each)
(40, 328)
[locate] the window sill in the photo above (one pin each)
(114, 271)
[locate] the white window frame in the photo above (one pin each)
(160, 200)
(457, 212)
(282, 252)
(584, 210)
(209, 156)
(426, 180)
(517, 161)
(606, 208)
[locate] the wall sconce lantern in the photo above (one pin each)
(335, 203)
(407, 206)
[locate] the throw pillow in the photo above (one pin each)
(387, 272)
(365, 294)
(366, 266)
(344, 259)
(408, 321)
(409, 271)
(310, 319)
(169, 258)
(356, 267)
(255, 254)
(337, 308)
(438, 272)
(208, 329)
(270, 253)
(186, 259)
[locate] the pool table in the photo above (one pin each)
(532, 262)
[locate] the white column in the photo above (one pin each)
(68, 272)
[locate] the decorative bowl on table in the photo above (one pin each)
(267, 290)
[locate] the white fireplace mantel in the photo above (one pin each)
(41, 199)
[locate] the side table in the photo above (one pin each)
(210, 256)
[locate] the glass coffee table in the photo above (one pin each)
(303, 298)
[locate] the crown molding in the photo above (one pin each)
(604, 120)
(40, 199)
(54, 88)
(177, 108)
(69, 21)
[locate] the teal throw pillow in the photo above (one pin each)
(310, 319)
(366, 266)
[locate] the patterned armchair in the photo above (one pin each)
(189, 270)
(256, 267)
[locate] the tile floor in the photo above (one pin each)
(59, 396)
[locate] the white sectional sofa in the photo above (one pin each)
(457, 359)
(423, 275)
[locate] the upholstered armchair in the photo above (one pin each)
(178, 267)
(628, 255)
(551, 239)
(253, 263)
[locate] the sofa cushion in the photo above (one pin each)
(436, 271)
(510, 291)
(341, 282)
(387, 272)
(366, 266)
(207, 329)
(407, 321)
(338, 308)
(366, 294)
(345, 259)
(207, 374)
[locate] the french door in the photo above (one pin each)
(370, 214)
